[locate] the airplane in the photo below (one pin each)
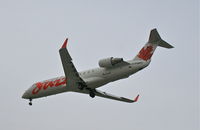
(86, 82)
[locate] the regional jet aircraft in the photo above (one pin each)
(110, 69)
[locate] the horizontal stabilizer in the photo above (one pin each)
(155, 38)
(164, 44)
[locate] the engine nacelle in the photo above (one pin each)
(109, 62)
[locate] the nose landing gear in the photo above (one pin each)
(30, 103)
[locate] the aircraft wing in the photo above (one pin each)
(68, 66)
(110, 96)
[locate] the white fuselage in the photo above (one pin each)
(101, 76)
(111, 69)
(94, 78)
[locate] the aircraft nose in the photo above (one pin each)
(25, 95)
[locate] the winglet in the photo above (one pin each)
(136, 98)
(65, 43)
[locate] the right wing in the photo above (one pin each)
(68, 66)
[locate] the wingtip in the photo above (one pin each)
(154, 29)
(65, 43)
(171, 46)
(136, 98)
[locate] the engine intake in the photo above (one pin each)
(109, 62)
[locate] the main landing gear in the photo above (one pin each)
(92, 94)
(30, 103)
(82, 86)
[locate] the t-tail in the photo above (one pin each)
(154, 40)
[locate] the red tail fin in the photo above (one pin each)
(154, 40)
(146, 52)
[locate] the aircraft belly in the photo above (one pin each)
(95, 82)
(122, 73)
(51, 92)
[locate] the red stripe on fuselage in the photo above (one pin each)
(45, 85)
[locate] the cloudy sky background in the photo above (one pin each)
(31, 33)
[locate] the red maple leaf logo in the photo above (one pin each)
(146, 53)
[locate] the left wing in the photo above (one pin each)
(109, 96)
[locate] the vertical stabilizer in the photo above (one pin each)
(154, 40)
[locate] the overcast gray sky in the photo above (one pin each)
(31, 33)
